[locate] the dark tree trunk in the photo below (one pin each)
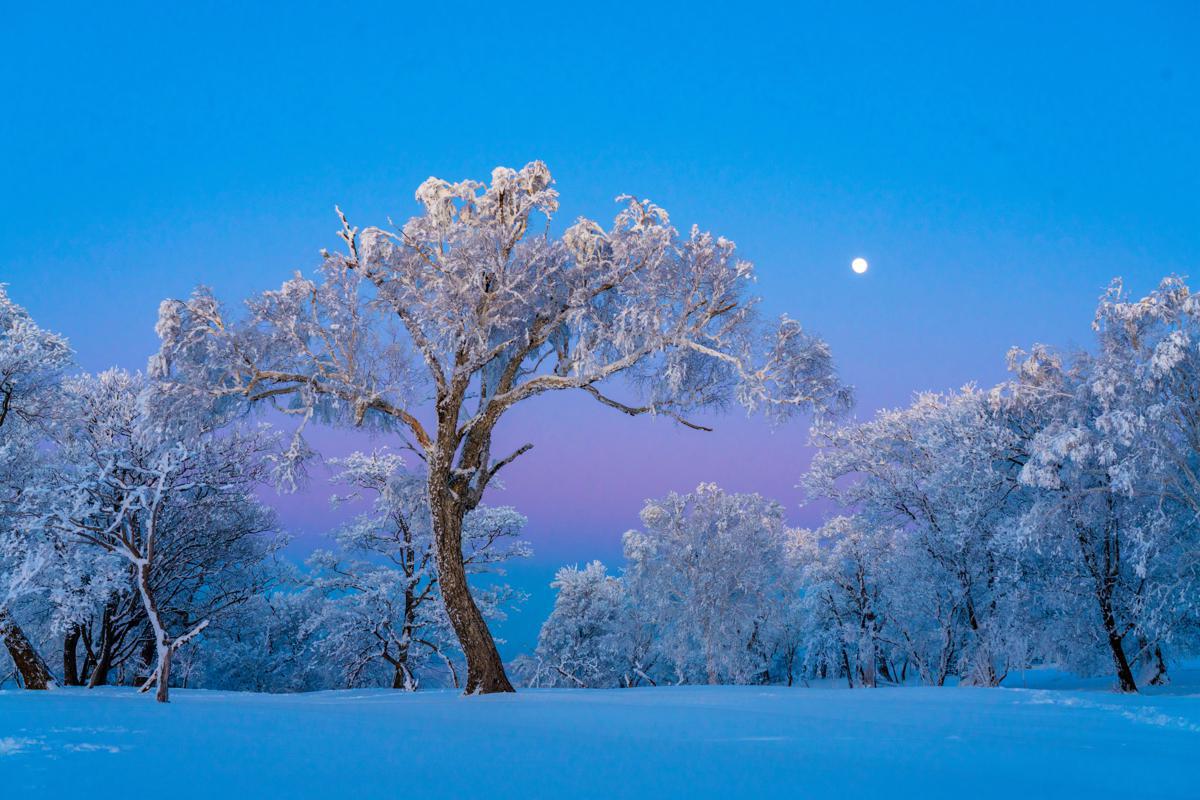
(485, 670)
(104, 660)
(99, 676)
(1125, 679)
(32, 669)
(1159, 678)
(89, 654)
(1105, 569)
(846, 666)
(71, 657)
(402, 677)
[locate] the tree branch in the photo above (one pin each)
(634, 411)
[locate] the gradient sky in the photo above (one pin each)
(997, 163)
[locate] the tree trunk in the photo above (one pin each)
(1157, 670)
(162, 645)
(885, 670)
(106, 647)
(868, 654)
(104, 660)
(1125, 679)
(982, 672)
(485, 670)
(71, 657)
(164, 674)
(867, 659)
(89, 654)
(33, 670)
(846, 666)
(99, 676)
(402, 677)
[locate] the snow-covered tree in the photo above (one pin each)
(712, 570)
(435, 330)
(1054, 519)
(844, 575)
(1147, 378)
(384, 608)
(1087, 534)
(270, 643)
(172, 498)
(595, 637)
(1112, 465)
(941, 474)
(709, 594)
(32, 363)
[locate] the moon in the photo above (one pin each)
(859, 265)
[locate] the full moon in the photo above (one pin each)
(859, 265)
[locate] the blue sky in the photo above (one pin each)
(998, 164)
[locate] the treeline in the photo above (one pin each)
(1050, 520)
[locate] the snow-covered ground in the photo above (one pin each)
(693, 742)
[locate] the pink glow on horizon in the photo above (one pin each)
(590, 471)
